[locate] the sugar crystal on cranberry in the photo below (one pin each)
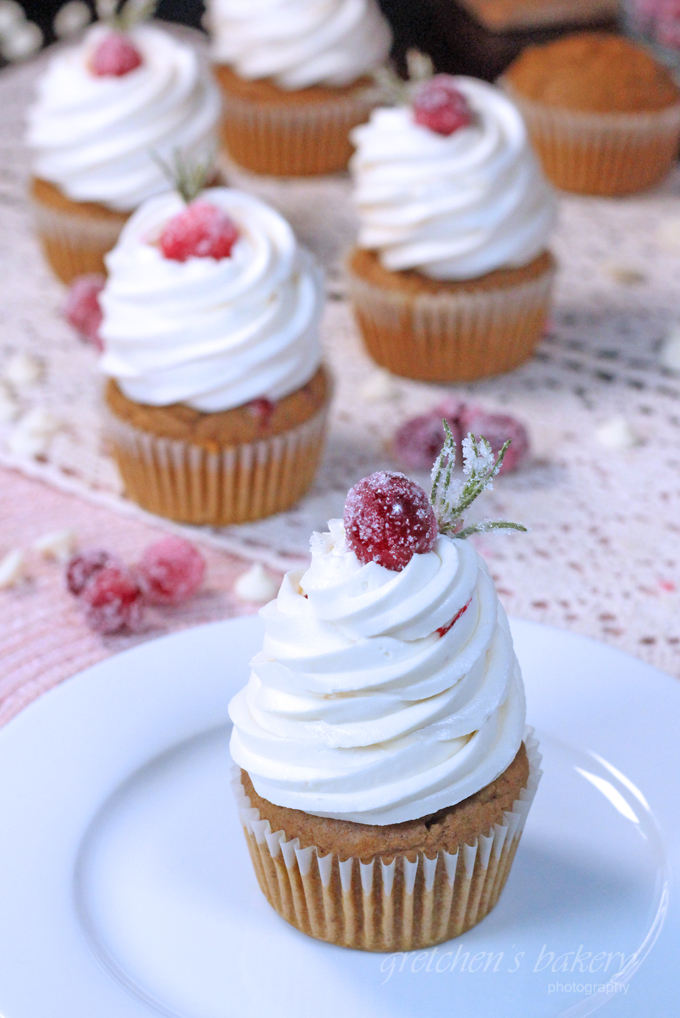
(388, 519)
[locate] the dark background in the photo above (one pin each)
(457, 43)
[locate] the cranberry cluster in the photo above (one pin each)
(113, 595)
(419, 440)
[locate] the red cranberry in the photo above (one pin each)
(443, 630)
(82, 309)
(440, 105)
(86, 564)
(388, 519)
(497, 429)
(112, 600)
(200, 231)
(262, 410)
(170, 571)
(115, 56)
(419, 440)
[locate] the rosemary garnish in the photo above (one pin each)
(187, 176)
(452, 497)
(122, 15)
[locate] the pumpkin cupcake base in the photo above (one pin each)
(442, 331)
(220, 468)
(74, 236)
(403, 887)
(296, 133)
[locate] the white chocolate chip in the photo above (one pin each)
(616, 434)
(11, 568)
(23, 371)
(256, 585)
(628, 275)
(32, 434)
(59, 545)
(670, 351)
(668, 235)
(378, 386)
(9, 408)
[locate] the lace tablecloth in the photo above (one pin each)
(603, 554)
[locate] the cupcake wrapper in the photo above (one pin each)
(602, 154)
(452, 337)
(406, 905)
(235, 484)
(293, 140)
(75, 244)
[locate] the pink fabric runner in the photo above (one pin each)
(43, 639)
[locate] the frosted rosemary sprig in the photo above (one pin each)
(452, 497)
(394, 91)
(187, 176)
(122, 16)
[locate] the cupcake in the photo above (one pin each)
(216, 396)
(105, 108)
(384, 771)
(451, 276)
(295, 79)
(602, 113)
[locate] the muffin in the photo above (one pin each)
(384, 771)
(603, 114)
(295, 79)
(481, 37)
(216, 396)
(451, 276)
(105, 109)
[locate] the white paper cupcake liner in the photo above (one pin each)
(235, 484)
(293, 139)
(404, 905)
(452, 336)
(73, 243)
(601, 153)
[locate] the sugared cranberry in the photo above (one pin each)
(262, 410)
(440, 105)
(419, 440)
(115, 56)
(388, 519)
(82, 309)
(497, 429)
(170, 571)
(200, 231)
(82, 567)
(112, 600)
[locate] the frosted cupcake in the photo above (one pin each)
(451, 276)
(217, 398)
(385, 772)
(602, 112)
(104, 108)
(295, 79)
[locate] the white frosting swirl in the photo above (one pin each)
(94, 137)
(453, 207)
(213, 334)
(358, 708)
(299, 42)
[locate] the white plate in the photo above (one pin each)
(126, 890)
